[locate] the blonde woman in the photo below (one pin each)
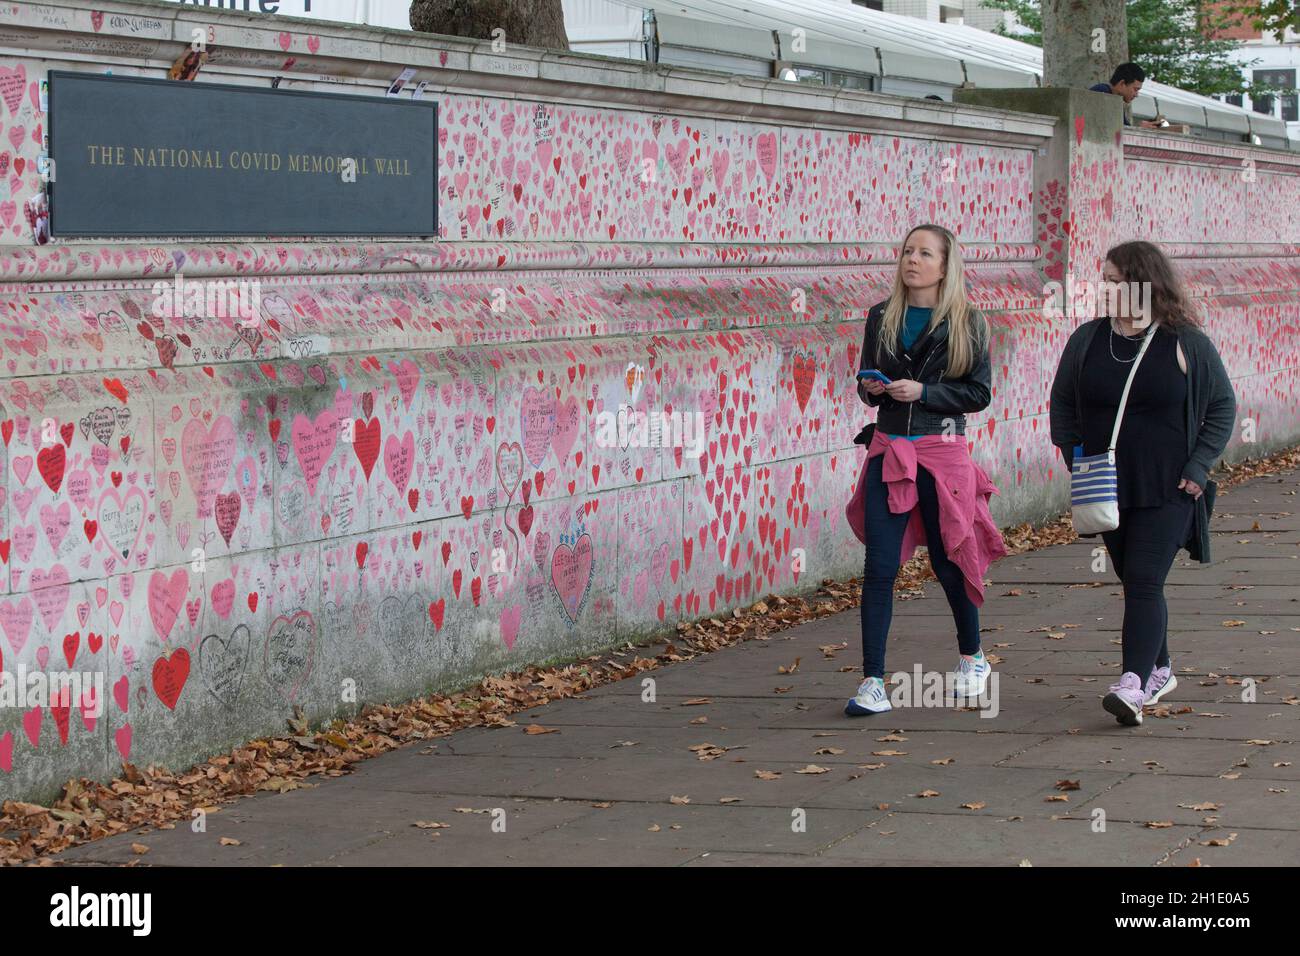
(925, 365)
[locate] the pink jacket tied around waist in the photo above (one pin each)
(970, 537)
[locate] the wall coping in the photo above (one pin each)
(1153, 144)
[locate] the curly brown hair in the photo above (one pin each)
(1144, 262)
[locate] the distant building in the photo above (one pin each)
(1278, 66)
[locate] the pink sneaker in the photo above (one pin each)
(1161, 682)
(1125, 700)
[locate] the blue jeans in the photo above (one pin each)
(884, 541)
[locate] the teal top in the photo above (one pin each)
(914, 323)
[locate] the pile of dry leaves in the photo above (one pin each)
(158, 798)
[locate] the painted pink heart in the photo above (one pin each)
(223, 597)
(510, 619)
(571, 575)
(398, 459)
(166, 597)
(407, 374)
(207, 454)
(16, 619)
(537, 413)
(55, 523)
(13, 82)
(567, 425)
(51, 592)
(313, 443)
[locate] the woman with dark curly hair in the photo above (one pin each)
(1178, 417)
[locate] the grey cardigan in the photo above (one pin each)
(1211, 413)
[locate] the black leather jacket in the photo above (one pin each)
(943, 408)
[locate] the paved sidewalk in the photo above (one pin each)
(1225, 770)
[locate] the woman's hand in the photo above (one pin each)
(904, 390)
(1191, 487)
(872, 386)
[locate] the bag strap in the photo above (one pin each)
(1119, 414)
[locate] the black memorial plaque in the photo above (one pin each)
(144, 157)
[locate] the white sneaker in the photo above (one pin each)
(870, 699)
(971, 676)
(1161, 682)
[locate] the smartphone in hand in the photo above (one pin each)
(876, 375)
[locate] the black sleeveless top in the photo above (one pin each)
(1152, 446)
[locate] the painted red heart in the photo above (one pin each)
(115, 388)
(51, 462)
(365, 443)
(170, 675)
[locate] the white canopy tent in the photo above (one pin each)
(909, 56)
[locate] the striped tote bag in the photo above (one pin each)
(1094, 491)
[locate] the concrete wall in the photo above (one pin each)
(477, 523)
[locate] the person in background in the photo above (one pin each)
(1180, 414)
(919, 484)
(1126, 82)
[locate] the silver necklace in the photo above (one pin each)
(1111, 342)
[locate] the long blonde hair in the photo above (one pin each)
(968, 329)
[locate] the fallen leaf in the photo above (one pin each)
(813, 768)
(1220, 841)
(973, 806)
(1158, 825)
(927, 793)
(767, 774)
(680, 801)
(534, 729)
(229, 841)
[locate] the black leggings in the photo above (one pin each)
(1142, 549)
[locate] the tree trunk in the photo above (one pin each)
(526, 22)
(1074, 53)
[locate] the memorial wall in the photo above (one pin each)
(313, 401)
